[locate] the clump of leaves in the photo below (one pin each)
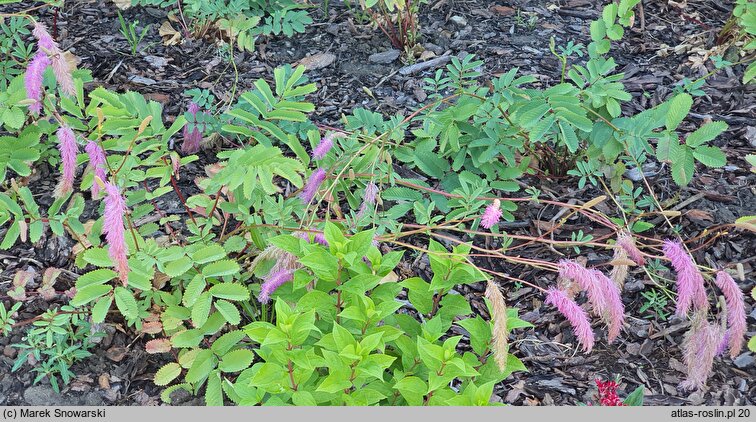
(340, 334)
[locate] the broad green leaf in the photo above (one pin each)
(705, 133)
(237, 360)
(230, 291)
(167, 373)
(178, 267)
(710, 156)
(89, 293)
(221, 268)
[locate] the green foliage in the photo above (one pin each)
(13, 32)
(7, 318)
(241, 21)
(347, 340)
(60, 338)
(130, 32)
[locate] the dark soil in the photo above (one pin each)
(655, 58)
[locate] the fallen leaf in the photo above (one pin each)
(158, 345)
(699, 215)
(104, 381)
(503, 10)
(116, 353)
(170, 35)
(122, 4)
(317, 61)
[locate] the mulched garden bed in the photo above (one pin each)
(654, 57)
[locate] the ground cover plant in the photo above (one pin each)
(256, 255)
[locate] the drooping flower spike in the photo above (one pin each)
(614, 313)
(500, 334)
(68, 150)
(312, 185)
(626, 242)
(575, 315)
(273, 282)
(97, 164)
(325, 145)
(699, 351)
(573, 270)
(33, 80)
(736, 316)
(60, 66)
(368, 199)
(113, 227)
(690, 283)
(193, 136)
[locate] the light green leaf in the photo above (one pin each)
(167, 373)
(230, 291)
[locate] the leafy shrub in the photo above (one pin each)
(340, 334)
(240, 21)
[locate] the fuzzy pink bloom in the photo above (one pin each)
(736, 316)
(97, 164)
(574, 314)
(193, 136)
(492, 215)
(325, 145)
(320, 238)
(586, 279)
(724, 343)
(690, 282)
(44, 40)
(115, 209)
(312, 185)
(370, 195)
(62, 71)
(273, 282)
(68, 150)
(614, 313)
(699, 351)
(626, 242)
(33, 80)
(59, 64)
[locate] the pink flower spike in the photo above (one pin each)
(572, 270)
(626, 242)
(368, 199)
(690, 282)
(59, 64)
(193, 135)
(323, 147)
(320, 239)
(115, 209)
(273, 282)
(63, 75)
(33, 80)
(614, 314)
(44, 40)
(492, 215)
(736, 316)
(68, 150)
(312, 185)
(97, 164)
(699, 351)
(575, 315)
